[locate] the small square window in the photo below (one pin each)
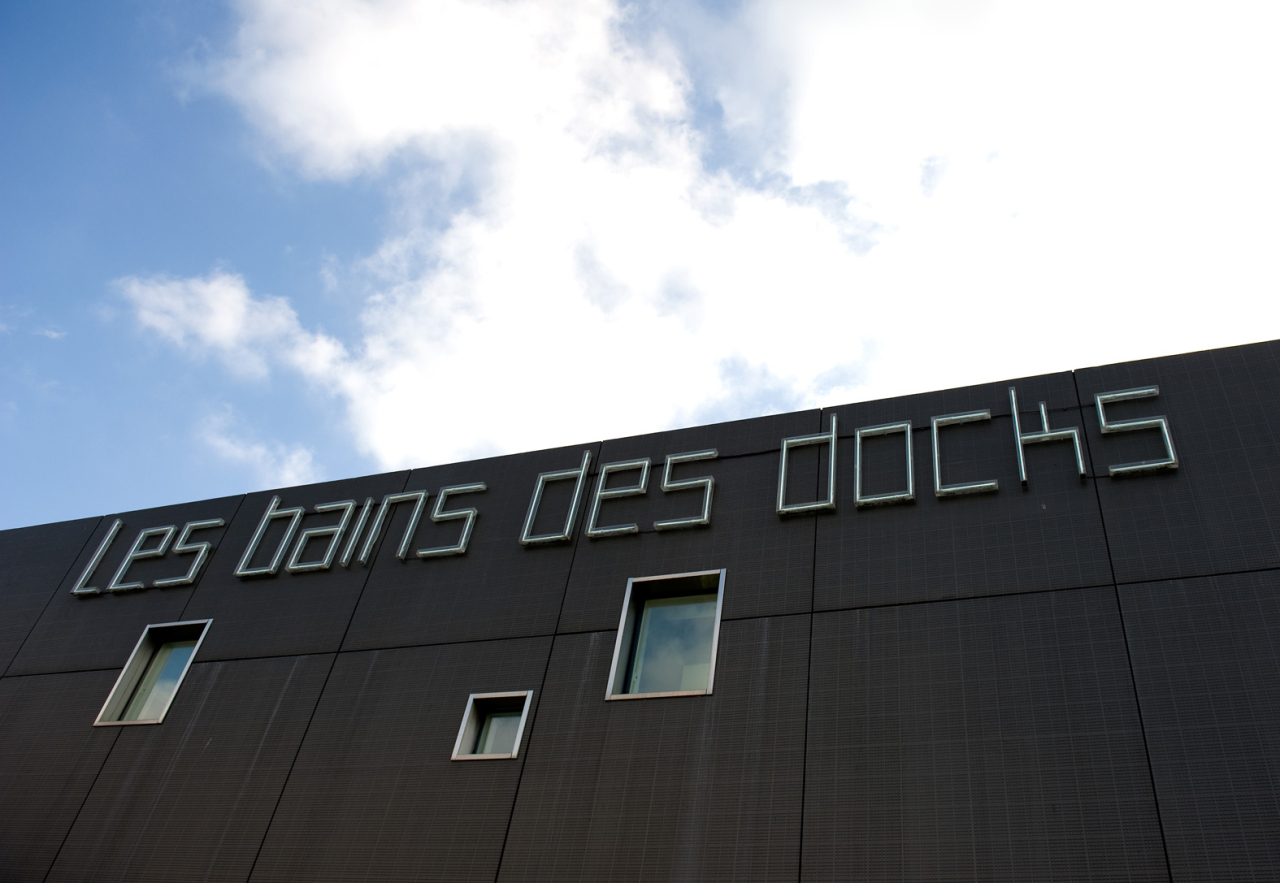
(492, 726)
(667, 636)
(151, 677)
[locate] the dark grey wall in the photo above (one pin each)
(1073, 679)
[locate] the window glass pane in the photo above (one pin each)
(673, 648)
(499, 733)
(159, 682)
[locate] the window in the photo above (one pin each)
(492, 726)
(155, 670)
(667, 636)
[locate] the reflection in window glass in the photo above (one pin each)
(160, 681)
(498, 736)
(673, 647)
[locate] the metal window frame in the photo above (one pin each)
(628, 623)
(134, 669)
(469, 731)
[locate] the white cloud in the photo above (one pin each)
(217, 314)
(923, 195)
(273, 465)
(51, 333)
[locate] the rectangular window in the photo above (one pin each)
(667, 636)
(150, 679)
(492, 726)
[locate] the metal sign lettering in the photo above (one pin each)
(317, 548)
(137, 553)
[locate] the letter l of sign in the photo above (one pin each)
(81, 587)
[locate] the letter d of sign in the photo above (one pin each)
(828, 438)
(579, 475)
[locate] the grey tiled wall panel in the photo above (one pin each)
(1220, 511)
(50, 754)
(374, 795)
(36, 559)
(190, 799)
(499, 588)
(984, 739)
(76, 633)
(1045, 535)
(1206, 660)
(701, 788)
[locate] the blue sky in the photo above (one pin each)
(108, 166)
(261, 243)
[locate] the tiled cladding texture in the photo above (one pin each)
(1218, 512)
(695, 788)
(1206, 660)
(49, 756)
(289, 613)
(499, 589)
(374, 794)
(981, 739)
(1044, 535)
(80, 632)
(190, 799)
(769, 559)
(35, 561)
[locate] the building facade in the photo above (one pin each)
(921, 666)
